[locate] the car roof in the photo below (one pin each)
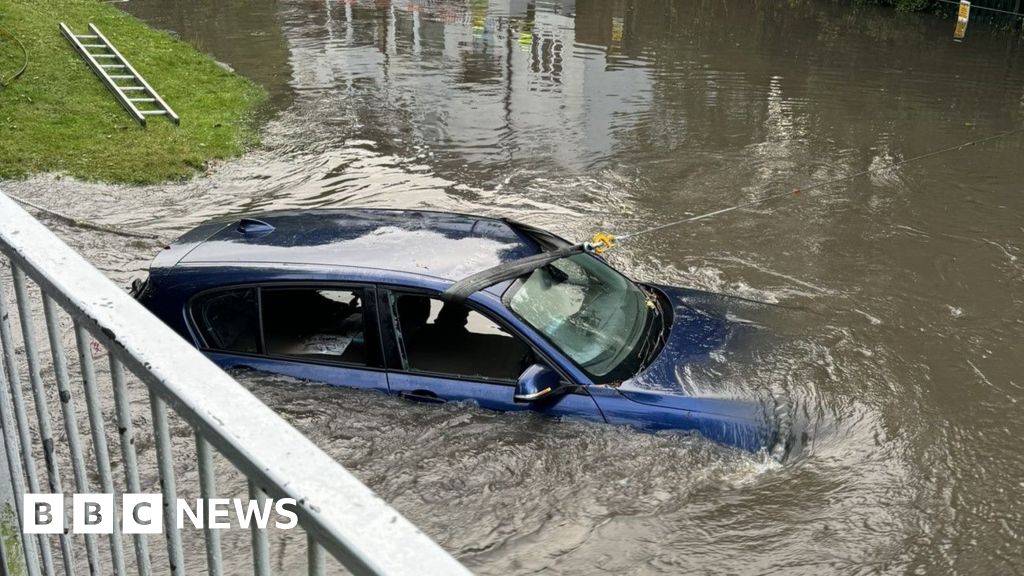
(441, 245)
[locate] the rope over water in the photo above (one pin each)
(82, 223)
(977, 7)
(601, 240)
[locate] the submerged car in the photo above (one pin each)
(439, 307)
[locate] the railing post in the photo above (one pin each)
(12, 560)
(18, 442)
(42, 411)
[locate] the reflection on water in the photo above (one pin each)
(897, 318)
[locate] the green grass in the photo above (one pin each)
(12, 543)
(59, 117)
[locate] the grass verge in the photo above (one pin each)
(12, 542)
(59, 117)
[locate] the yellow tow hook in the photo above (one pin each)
(600, 243)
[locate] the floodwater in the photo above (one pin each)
(897, 297)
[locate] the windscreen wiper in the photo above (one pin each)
(466, 287)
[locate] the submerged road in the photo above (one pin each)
(899, 333)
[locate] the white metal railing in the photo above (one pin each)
(340, 515)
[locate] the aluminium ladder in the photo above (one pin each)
(127, 85)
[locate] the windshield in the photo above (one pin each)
(593, 314)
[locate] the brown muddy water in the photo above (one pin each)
(899, 327)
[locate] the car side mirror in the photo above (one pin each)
(537, 382)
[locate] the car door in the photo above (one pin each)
(442, 351)
(319, 332)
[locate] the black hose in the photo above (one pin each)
(70, 221)
(5, 81)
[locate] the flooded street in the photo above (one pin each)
(897, 298)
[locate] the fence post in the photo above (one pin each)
(12, 559)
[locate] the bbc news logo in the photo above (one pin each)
(144, 513)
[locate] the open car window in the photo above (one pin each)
(315, 324)
(228, 320)
(451, 339)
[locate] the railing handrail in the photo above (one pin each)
(351, 522)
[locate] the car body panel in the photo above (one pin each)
(331, 374)
(737, 423)
(489, 395)
(697, 332)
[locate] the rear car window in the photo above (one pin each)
(315, 324)
(228, 320)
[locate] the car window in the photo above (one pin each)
(451, 339)
(315, 323)
(228, 320)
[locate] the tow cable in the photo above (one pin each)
(603, 241)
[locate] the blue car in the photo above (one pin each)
(439, 307)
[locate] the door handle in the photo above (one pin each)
(422, 396)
